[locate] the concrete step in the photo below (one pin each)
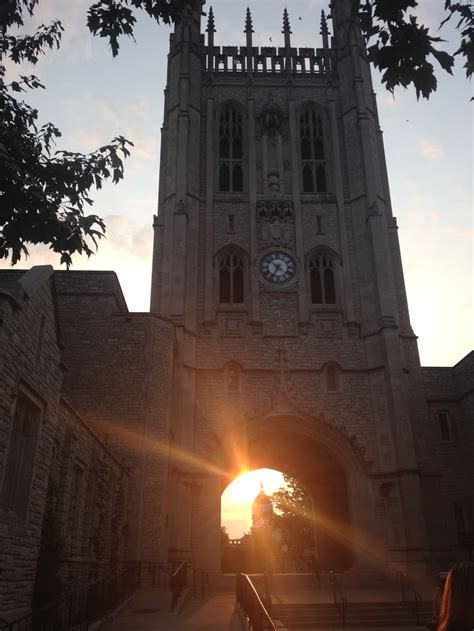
(316, 616)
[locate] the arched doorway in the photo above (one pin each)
(291, 444)
(319, 456)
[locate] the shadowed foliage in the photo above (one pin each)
(293, 517)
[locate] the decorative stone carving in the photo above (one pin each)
(275, 220)
(206, 328)
(271, 117)
(353, 328)
(328, 326)
(257, 328)
(274, 181)
(303, 328)
(231, 326)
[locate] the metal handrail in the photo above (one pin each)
(178, 582)
(267, 596)
(250, 604)
(409, 595)
(200, 582)
(152, 573)
(340, 600)
(84, 606)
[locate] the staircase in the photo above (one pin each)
(373, 601)
(359, 615)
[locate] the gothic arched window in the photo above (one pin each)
(231, 175)
(313, 161)
(323, 279)
(232, 374)
(231, 278)
(332, 377)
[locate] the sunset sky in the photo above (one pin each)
(92, 97)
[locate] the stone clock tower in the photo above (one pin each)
(276, 257)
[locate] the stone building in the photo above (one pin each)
(277, 259)
(262, 509)
(54, 469)
(278, 336)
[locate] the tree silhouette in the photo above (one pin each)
(293, 516)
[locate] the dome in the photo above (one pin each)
(262, 499)
(262, 509)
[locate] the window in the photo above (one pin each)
(231, 278)
(75, 504)
(319, 224)
(447, 427)
(322, 279)
(444, 425)
(332, 378)
(231, 177)
(232, 377)
(460, 516)
(313, 162)
(19, 467)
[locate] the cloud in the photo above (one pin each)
(430, 149)
(389, 100)
(141, 108)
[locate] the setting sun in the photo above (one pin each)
(236, 501)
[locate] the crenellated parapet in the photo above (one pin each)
(268, 59)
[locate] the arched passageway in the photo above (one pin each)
(324, 477)
(321, 458)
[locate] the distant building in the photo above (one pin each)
(279, 331)
(262, 510)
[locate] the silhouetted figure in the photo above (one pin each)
(315, 568)
(457, 605)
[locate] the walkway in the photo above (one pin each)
(149, 611)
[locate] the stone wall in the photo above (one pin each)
(450, 391)
(76, 481)
(33, 370)
(91, 491)
(119, 377)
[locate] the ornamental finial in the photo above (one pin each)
(324, 24)
(286, 22)
(210, 21)
(248, 22)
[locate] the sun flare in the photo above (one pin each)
(236, 501)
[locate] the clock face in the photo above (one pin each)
(277, 267)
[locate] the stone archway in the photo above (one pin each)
(320, 456)
(284, 443)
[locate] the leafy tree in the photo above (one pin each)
(402, 49)
(225, 539)
(293, 516)
(44, 194)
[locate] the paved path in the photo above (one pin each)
(149, 611)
